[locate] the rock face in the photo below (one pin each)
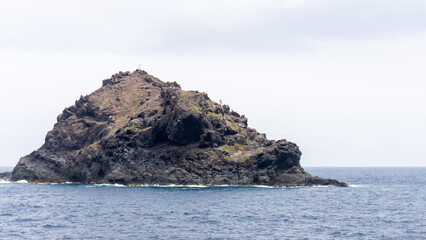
(137, 129)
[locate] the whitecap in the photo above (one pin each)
(194, 186)
(358, 185)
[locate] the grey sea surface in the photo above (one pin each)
(382, 203)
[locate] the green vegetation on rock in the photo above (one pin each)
(214, 115)
(196, 109)
(96, 145)
(185, 96)
(145, 129)
(228, 149)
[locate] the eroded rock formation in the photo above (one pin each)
(137, 129)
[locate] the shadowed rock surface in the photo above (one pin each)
(137, 129)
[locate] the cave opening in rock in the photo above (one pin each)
(191, 130)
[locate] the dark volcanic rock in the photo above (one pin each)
(5, 175)
(137, 129)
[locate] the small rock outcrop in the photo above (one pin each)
(5, 175)
(137, 129)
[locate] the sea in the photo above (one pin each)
(381, 203)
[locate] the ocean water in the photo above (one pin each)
(383, 203)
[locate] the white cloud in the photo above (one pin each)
(192, 27)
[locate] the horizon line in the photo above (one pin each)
(317, 166)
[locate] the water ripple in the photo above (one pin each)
(380, 204)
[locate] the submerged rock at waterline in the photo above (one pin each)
(137, 129)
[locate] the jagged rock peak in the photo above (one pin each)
(121, 76)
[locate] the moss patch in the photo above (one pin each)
(228, 149)
(214, 115)
(233, 126)
(96, 145)
(241, 147)
(196, 109)
(238, 147)
(145, 129)
(237, 152)
(185, 96)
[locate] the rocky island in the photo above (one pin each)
(139, 130)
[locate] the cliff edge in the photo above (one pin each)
(137, 129)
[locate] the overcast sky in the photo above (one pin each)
(345, 80)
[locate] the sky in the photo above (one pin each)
(344, 79)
